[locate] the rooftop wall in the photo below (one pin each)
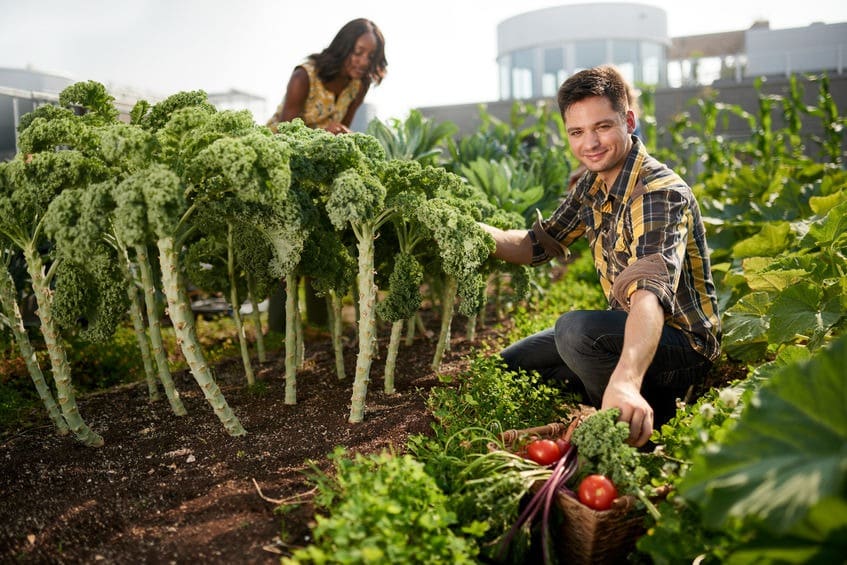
(818, 47)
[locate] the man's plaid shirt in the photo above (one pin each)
(644, 233)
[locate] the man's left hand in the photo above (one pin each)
(634, 409)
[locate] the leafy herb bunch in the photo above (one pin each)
(601, 444)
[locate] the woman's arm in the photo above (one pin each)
(295, 96)
(354, 105)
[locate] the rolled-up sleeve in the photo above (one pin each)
(660, 225)
(552, 237)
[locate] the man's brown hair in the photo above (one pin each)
(604, 81)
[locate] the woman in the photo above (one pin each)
(327, 89)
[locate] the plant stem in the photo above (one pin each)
(137, 319)
(236, 308)
(291, 339)
(58, 358)
(141, 334)
(256, 316)
(179, 309)
(367, 315)
(391, 358)
(470, 329)
(154, 329)
(410, 329)
(448, 300)
(9, 304)
(334, 304)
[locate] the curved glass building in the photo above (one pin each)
(537, 51)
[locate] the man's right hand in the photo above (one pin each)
(513, 246)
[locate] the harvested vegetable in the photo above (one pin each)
(543, 451)
(597, 492)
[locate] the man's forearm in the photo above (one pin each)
(642, 333)
(513, 246)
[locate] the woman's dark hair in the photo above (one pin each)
(330, 61)
(604, 81)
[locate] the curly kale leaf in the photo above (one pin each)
(158, 192)
(32, 185)
(224, 166)
(369, 146)
(90, 295)
(272, 164)
(464, 247)
(161, 113)
(48, 113)
(328, 262)
(601, 442)
(318, 157)
(404, 289)
(124, 148)
(285, 225)
(77, 219)
(58, 132)
(356, 198)
(94, 99)
(206, 263)
(171, 136)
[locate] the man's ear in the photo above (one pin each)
(630, 121)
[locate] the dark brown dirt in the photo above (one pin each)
(168, 489)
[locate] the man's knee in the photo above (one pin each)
(532, 352)
(573, 331)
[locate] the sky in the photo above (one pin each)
(439, 52)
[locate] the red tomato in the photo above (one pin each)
(597, 492)
(543, 451)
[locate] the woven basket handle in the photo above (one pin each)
(550, 430)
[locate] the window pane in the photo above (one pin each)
(652, 56)
(505, 91)
(521, 83)
(589, 53)
(625, 58)
(624, 51)
(554, 71)
(522, 74)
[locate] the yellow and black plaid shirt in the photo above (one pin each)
(644, 233)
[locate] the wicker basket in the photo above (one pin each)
(585, 535)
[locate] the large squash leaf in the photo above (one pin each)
(745, 327)
(786, 456)
(800, 311)
(773, 239)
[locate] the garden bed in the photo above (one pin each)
(171, 489)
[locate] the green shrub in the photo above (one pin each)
(382, 509)
(489, 395)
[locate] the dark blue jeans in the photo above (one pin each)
(583, 348)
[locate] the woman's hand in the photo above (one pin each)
(336, 128)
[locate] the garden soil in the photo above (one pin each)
(168, 489)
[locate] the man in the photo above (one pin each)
(643, 225)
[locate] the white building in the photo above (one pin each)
(537, 51)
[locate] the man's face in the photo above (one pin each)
(599, 136)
